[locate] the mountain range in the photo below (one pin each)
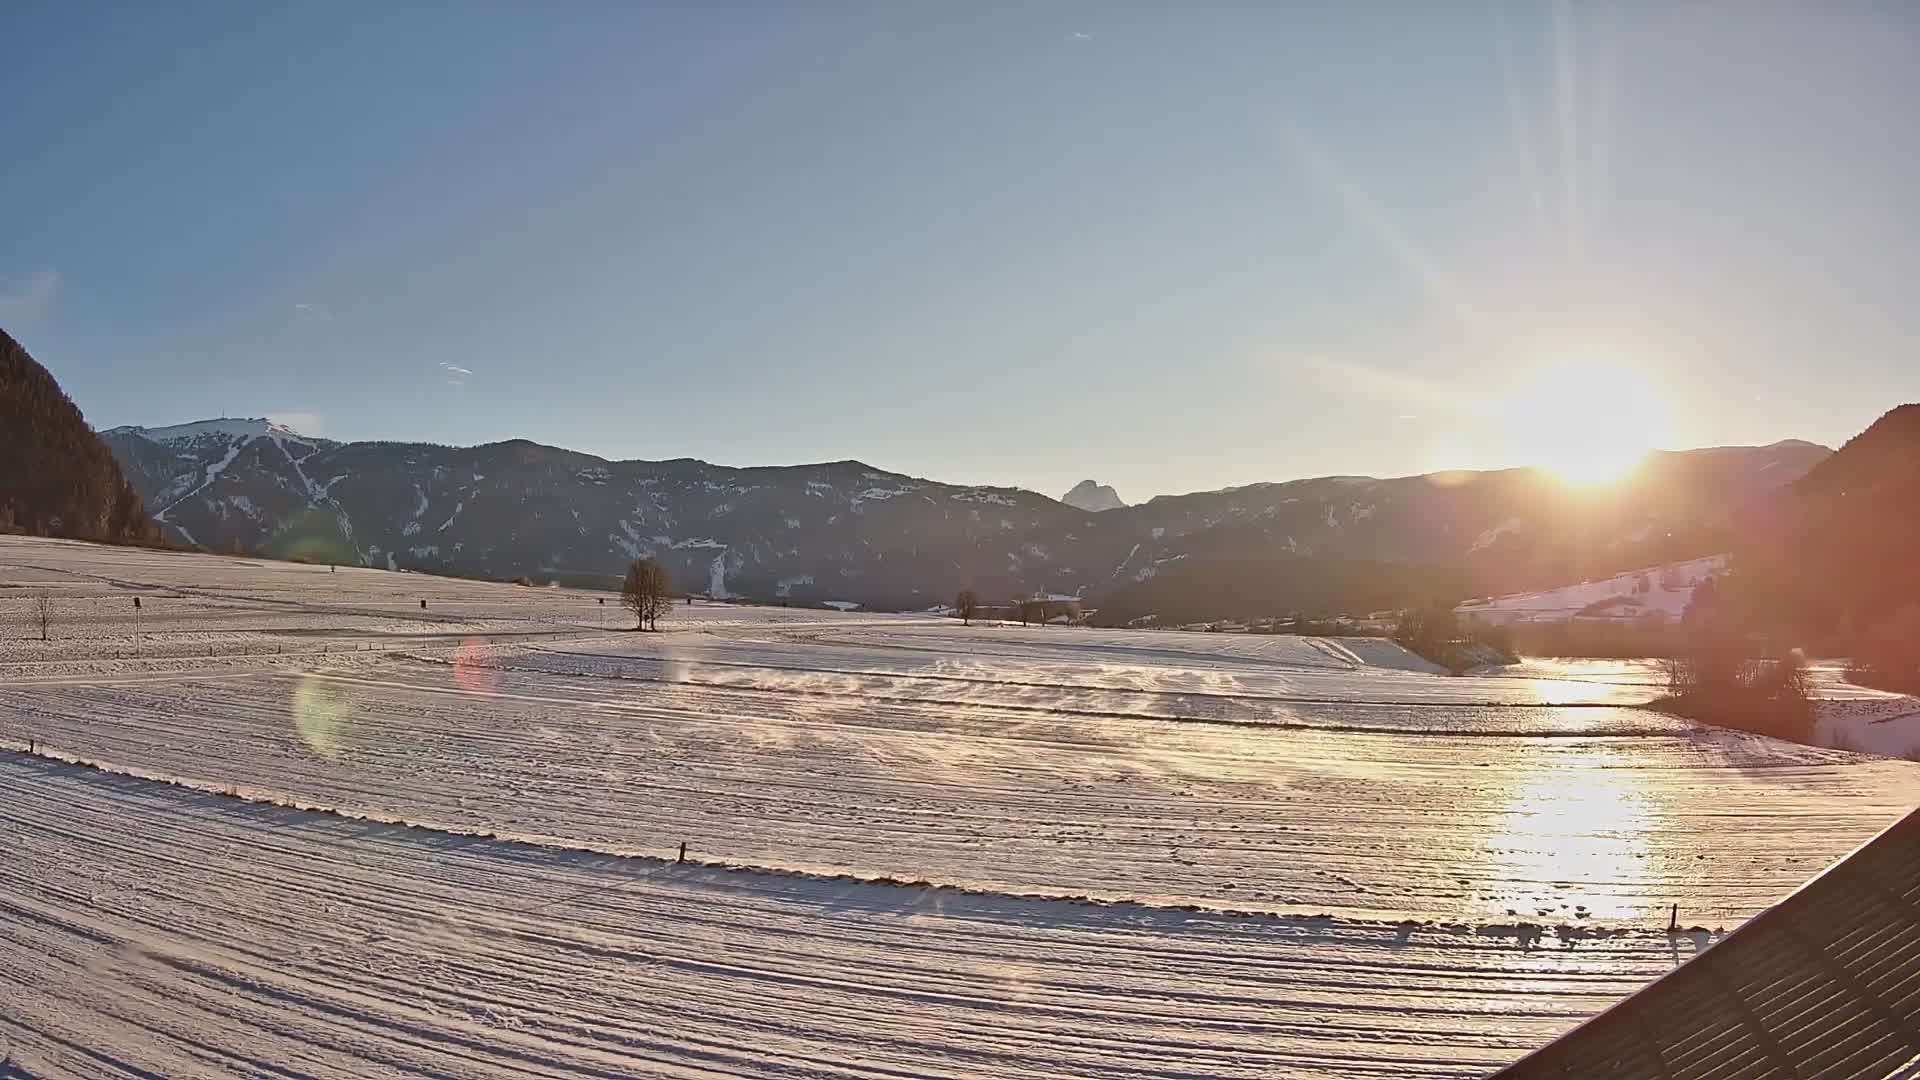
(850, 532)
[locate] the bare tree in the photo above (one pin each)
(966, 605)
(41, 614)
(646, 592)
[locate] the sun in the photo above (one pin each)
(1587, 422)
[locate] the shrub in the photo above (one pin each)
(1436, 634)
(1718, 681)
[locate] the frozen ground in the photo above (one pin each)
(1163, 854)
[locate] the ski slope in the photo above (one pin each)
(918, 849)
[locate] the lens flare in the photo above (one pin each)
(469, 668)
(322, 716)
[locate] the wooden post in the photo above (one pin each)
(1673, 920)
(683, 852)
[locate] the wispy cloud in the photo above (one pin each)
(306, 423)
(313, 313)
(1078, 36)
(27, 298)
(456, 375)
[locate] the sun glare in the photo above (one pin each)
(1586, 422)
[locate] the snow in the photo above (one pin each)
(919, 849)
(1860, 718)
(981, 495)
(225, 428)
(213, 473)
(314, 495)
(840, 605)
(1492, 536)
(698, 542)
(1565, 603)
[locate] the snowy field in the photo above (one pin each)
(916, 848)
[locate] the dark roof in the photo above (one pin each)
(1825, 983)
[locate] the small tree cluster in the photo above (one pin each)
(1718, 678)
(1437, 634)
(966, 605)
(1428, 632)
(646, 592)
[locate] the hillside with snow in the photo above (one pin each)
(1661, 592)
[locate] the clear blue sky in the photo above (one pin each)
(1169, 246)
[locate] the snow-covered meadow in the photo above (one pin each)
(405, 840)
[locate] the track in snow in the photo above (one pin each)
(152, 930)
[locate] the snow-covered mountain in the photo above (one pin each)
(1093, 498)
(851, 532)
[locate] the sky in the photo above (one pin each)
(1170, 247)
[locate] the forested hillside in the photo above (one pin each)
(56, 477)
